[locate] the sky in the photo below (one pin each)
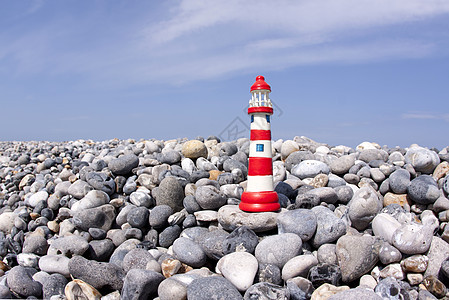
(341, 71)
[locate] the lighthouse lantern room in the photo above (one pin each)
(260, 195)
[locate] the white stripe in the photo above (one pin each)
(266, 149)
(260, 183)
(260, 122)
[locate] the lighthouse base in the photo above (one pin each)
(259, 201)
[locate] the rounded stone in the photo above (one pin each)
(239, 268)
(140, 284)
(209, 197)
(97, 274)
(98, 217)
(412, 238)
(171, 193)
(287, 148)
(278, 249)
(329, 226)
(36, 244)
(363, 207)
(55, 264)
(189, 252)
(327, 254)
(159, 216)
(138, 217)
(54, 285)
(324, 274)
(355, 294)
(207, 288)
(309, 169)
(68, 246)
(298, 266)
(422, 159)
(193, 149)
(342, 164)
(20, 280)
(136, 259)
(399, 181)
(169, 235)
(299, 221)
(423, 190)
(123, 165)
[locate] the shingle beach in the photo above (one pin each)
(153, 219)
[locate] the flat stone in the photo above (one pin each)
(68, 246)
(438, 253)
(97, 274)
(357, 255)
(230, 217)
(355, 294)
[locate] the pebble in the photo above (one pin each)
(54, 285)
(130, 201)
(123, 164)
(209, 197)
(230, 217)
(194, 149)
(171, 193)
(20, 281)
(298, 266)
(326, 290)
(422, 159)
(140, 284)
(265, 290)
(97, 274)
(355, 294)
(363, 207)
(209, 287)
(356, 255)
(302, 222)
(55, 264)
(310, 169)
(278, 249)
(412, 238)
(423, 190)
(329, 226)
(399, 181)
(189, 252)
(390, 288)
(239, 268)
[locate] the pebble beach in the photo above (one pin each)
(154, 219)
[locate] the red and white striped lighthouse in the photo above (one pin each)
(260, 195)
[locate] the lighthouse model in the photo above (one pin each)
(260, 195)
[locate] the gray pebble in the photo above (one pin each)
(123, 164)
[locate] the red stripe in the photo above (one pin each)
(260, 109)
(260, 166)
(258, 135)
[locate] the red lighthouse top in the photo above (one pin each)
(260, 84)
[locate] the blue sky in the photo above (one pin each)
(341, 71)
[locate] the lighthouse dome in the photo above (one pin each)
(260, 84)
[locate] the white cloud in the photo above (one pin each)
(201, 39)
(425, 116)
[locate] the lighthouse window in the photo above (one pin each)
(268, 118)
(252, 118)
(259, 147)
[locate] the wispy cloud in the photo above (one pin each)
(425, 116)
(201, 39)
